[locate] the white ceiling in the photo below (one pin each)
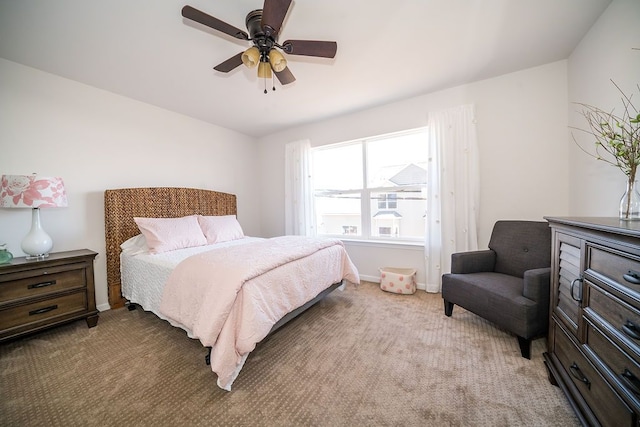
(387, 51)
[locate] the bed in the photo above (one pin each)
(252, 286)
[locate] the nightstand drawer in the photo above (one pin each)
(618, 268)
(40, 282)
(599, 395)
(40, 311)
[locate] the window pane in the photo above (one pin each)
(338, 214)
(397, 161)
(402, 216)
(338, 168)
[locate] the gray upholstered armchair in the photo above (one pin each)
(507, 284)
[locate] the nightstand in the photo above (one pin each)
(35, 295)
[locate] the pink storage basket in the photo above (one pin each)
(398, 280)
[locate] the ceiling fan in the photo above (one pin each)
(263, 26)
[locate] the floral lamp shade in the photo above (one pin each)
(32, 191)
(35, 192)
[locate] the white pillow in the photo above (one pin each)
(135, 245)
(167, 234)
(218, 229)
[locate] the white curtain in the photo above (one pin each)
(298, 211)
(453, 190)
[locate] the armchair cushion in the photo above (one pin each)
(520, 246)
(473, 261)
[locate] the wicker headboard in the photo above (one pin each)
(121, 205)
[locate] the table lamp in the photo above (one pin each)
(35, 192)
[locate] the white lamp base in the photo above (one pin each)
(37, 244)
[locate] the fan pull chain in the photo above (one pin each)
(265, 86)
(273, 82)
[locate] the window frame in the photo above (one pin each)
(366, 214)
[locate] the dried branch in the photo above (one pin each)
(616, 138)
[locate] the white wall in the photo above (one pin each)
(605, 53)
(96, 140)
(529, 167)
(522, 133)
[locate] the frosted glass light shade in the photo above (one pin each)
(277, 61)
(251, 57)
(264, 70)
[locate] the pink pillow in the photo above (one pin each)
(218, 229)
(167, 234)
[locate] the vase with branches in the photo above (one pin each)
(617, 142)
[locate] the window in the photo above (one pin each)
(388, 201)
(350, 230)
(373, 188)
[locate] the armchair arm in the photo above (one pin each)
(536, 284)
(473, 261)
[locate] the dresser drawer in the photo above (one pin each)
(43, 311)
(603, 401)
(618, 268)
(617, 314)
(40, 282)
(626, 370)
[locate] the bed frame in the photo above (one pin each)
(122, 205)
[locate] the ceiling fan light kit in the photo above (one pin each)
(264, 71)
(277, 61)
(251, 57)
(263, 27)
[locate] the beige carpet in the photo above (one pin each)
(360, 357)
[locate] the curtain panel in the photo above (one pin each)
(453, 190)
(298, 193)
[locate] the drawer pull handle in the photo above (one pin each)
(631, 382)
(577, 374)
(632, 277)
(573, 283)
(41, 285)
(43, 310)
(631, 330)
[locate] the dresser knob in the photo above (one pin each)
(43, 310)
(631, 330)
(573, 283)
(630, 381)
(577, 374)
(41, 285)
(632, 277)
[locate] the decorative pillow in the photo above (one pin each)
(167, 234)
(218, 229)
(135, 245)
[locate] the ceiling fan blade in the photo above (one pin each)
(208, 20)
(229, 64)
(322, 49)
(273, 13)
(285, 76)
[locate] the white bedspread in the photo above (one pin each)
(251, 286)
(144, 275)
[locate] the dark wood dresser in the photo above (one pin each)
(594, 327)
(35, 295)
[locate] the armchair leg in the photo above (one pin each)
(448, 308)
(525, 347)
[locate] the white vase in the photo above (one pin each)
(630, 203)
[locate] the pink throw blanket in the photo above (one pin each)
(205, 294)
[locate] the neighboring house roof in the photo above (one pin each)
(387, 215)
(410, 175)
